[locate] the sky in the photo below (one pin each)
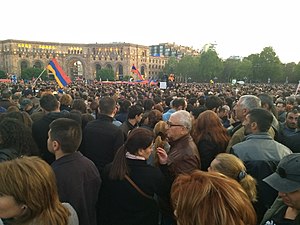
(237, 27)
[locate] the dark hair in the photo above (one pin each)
(107, 105)
(67, 132)
(213, 102)
(134, 110)
(79, 105)
(124, 105)
(268, 100)
(262, 117)
(16, 135)
(177, 102)
(49, 102)
(148, 104)
(138, 138)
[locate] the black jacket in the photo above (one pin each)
(101, 140)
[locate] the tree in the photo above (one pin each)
(29, 73)
(2, 74)
(290, 72)
(271, 66)
(210, 65)
(105, 74)
(230, 69)
(187, 68)
(171, 66)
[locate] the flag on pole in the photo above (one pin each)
(298, 88)
(61, 78)
(135, 70)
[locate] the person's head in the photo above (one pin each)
(138, 143)
(49, 103)
(148, 104)
(213, 103)
(124, 106)
(233, 167)
(245, 104)
(286, 180)
(66, 100)
(280, 106)
(153, 117)
(291, 119)
(257, 120)
(267, 103)
(29, 193)
(135, 112)
(64, 135)
(208, 126)
(26, 105)
(210, 198)
(79, 104)
(179, 125)
(6, 94)
(179, 104)
(16, 135)
(107, 106)
(21, 116)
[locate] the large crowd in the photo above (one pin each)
(131, 154)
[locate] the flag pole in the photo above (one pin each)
(38, 77)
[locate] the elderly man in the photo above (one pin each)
(183, 156)
(286, 180)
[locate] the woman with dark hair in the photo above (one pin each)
(129, 184)
(15, 140)
(210, 136)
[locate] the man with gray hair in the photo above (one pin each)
(242, 107)
(183, 156)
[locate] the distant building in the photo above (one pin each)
(84, 60)
(171, 49)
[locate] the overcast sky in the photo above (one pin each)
(238, 27)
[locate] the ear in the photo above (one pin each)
(245, 112)
(254, 126)
(55, 146)
(140, 152)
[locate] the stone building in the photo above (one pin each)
(77, 60)
(84, 60)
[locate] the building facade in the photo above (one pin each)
(84, 60)
(77, 60)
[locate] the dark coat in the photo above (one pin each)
(208, 151)
(40, 130)
(78, 182)
(293, 142)
(101, 140)
(122, 204)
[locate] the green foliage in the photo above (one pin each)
(210, 65)
(29, 73)
(171, 66)
(105, 74)
(2, 74)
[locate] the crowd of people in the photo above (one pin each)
(130, 154)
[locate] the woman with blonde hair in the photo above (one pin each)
(204, 198)
(210, 137)
(233, 167)
(28, 194)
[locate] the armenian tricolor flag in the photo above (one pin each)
(135, 70)
(61, 78)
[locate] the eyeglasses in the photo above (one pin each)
(169, 124)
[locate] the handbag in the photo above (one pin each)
(137, 188)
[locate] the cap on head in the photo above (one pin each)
(287, 176)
